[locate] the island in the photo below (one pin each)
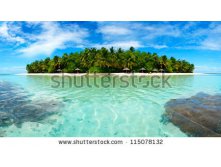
(92, 60)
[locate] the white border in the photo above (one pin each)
(109, 10)
(176, 152)
(46, 152)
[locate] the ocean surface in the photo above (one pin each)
(94, 106)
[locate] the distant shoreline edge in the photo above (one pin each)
(111, 74)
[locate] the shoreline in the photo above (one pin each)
(111, 74)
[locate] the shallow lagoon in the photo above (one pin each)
(94, 111)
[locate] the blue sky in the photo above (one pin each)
(24, 42)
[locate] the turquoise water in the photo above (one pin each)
(95, 111)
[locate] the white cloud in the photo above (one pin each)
(211, 44)
(213, 39)
(120, 44)
(54, 37)
(150, 34)
(8, 33)
(127, 45)
(209, 38)
(113, 30)
(145, 34)
(158, 46)
(189, 25)
(154, 31)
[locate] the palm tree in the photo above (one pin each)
(164, 61)
(109, 60)
(132, 49)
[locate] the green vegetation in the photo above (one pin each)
(109, 61)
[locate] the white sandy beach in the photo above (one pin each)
(113, 74)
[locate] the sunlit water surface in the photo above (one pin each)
(98, 111)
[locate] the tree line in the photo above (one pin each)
(111, 60)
